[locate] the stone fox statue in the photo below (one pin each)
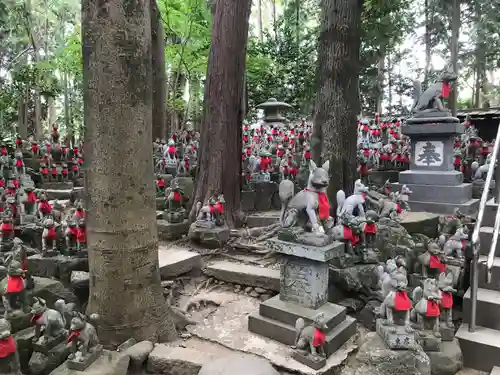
(430, 99)
(311, 338)
(301, 208)
(48, 322)
(427, 300)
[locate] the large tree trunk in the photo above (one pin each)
(220, 150)
(194, 113)
(380, 83)
(337, 102)
(455, 31)
(125, 285)
(159, 73)
(427, 39)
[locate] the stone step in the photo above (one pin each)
(495, 371)
(286, 333)
(469, 207)
(245, 274)
(288, 313)
(488, 308)
(176, 360)
(495, 274)
(176, 261)
(490, 211)
(262, 219)
(485, 238)
(480, 349)
(171, 231)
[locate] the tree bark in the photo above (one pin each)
(455, 31)
(337, 102)
(427, 39)
(220, 149)
(125, 285)
(159, 72)
(380, 82)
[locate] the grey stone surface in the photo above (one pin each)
(439, 193)
(421, 223)
(395, 337)
(368, 315)
(420, 177)
(210, 237)
(314, 362)
(43, 363)
(238, 364)
(422, 126)
(447, 361)
(288, 313)
(108, 363)
(244, 274)
(470, 207)
(57, 185)
(87, 360)
(262, 219)
(139, 353)
(177, 262)
(304, 282)
(316, 253)
(60, 266)
(374, 358)
(171, 231)
(164, 360)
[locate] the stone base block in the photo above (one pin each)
(447, 333)
(309, 252)
(59, 266)
(177, 262)
(171, 231)
(87, 360)
(395, 337)
(420, 177)
(46, 346)
(262, 219)
(469, 207)
(160, 203)
(428, 341)
(314, 362)
(65, 185)
(438, 193)
(380, 177)
(282, 329)
(244, 274)
(212, 238)
(43, 363)
(109, 362)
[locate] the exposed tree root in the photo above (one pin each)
(250, 239)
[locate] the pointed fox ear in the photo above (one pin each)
(312, 166)
(326, 165)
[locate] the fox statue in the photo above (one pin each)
(300, 209)
(355, 201)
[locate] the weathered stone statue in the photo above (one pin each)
(430, 102)
(445, 285)
(71, 235)
(49, 237)
(311, 339)
(456, 244)
(9, 357)
(84, 341)
(13, 291)
(310, 207)
(432, 261)
(6, 232)
(20, 168)
(353, 205)
(44, 208)
(50, 324)
(426, 313)
(391, 207)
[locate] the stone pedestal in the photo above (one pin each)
(303, 294)
(436, 186)
(395, 336)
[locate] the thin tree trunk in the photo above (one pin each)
(455, 31)
(194, 101)
(221, 127)
(337, 102)
(427, 38)
(159, 73)
(125, 285)
(380, 83)
(51, 110)
(389, 82)
(260, 23)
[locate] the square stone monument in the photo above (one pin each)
(436, 185)
(303, 294)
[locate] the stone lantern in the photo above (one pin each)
(273, 111)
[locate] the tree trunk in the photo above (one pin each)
(51, 111)
(194, 101)
(337, 102)
(259, 21)
(125, 285)
(390, 82)
(455, 31)
(380, 83)
(220, 149)
(22, 125)
(427, 39)
(159, 73)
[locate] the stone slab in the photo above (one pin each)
(262, 219)
(421, 222)
(108, 363)
(47, 346)
(67, 185)
(395, 337)
(422, 177)
(428, 126)
(286, 334)
(304, 282)
(165, 360)
(212, 238)
(469, 207)
(438, 193)
(59, 266)
(244, 274)
(171, 231)
(428, 341)
(315, 253)
(62, 194)
(90, 358)
(288, 313)
(315, 363)
(177, 262)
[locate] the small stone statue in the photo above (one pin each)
(309, 207)
(44, 208)
(456, 244)
(6, 231)
(50, 325)
(9, 357)
(13, 291)
(445, 285)
(84, 341)
(311, 340)
(49, 236)
(71, 235)
(427, 300)
(432, 261)
(353, 205)
(19, 164)
(81, 236)
(391, 207)
(44, 172)
(370, 229)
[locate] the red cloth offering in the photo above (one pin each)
(370, 228)
(73, 336)
(402, 301)
(446, 300)
(319, 338)
(7, 347)
(45, 208)
(177, 196)
(445, 90)
(432, 309)
(35, 318)
(51, 234)
(323, 205)
(15, 284)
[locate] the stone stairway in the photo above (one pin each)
(481, 349)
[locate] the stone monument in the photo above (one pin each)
(301, 316)
(436, 185)
(273, 111)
